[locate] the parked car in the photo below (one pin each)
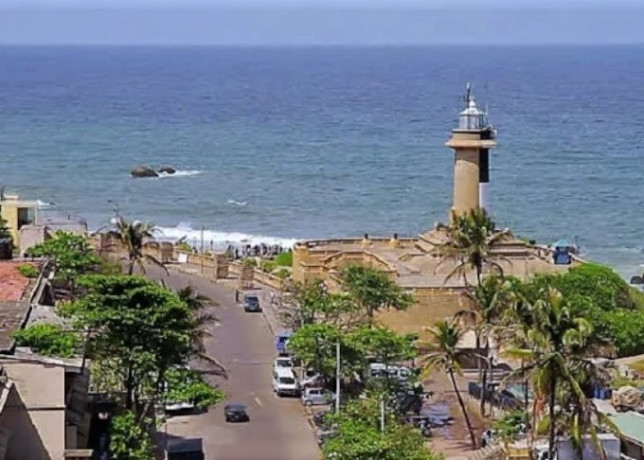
(284, 382)
(251, 304)
(283, 362)
(317, 396)
(236, 413)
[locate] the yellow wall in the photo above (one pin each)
(9, 212)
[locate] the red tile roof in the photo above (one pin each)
(12, 282)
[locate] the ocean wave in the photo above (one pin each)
(180, 173)
(44, 204)
(219, 239)
(237, 203)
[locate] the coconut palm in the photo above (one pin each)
(132, 236)
(486, 304)
(470, 238)
(197, 303)
(445, 355)
(558, 347)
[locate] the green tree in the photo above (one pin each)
(559, 344)
(470, 239)
(311, 302)
(359, 436)
(604, 299)
(130, 439)
(71, 255)
(371, 290)
(446, 356)
(189, 386)
(487, 300)
(132, 237)
(140, 325)
(315, 346)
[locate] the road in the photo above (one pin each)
(278, 428)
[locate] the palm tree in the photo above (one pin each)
(487, 302)
(197, 303)
(132, 236)
(446, 356)
(470, 238)
(557, 351)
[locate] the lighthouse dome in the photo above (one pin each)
(472, 118)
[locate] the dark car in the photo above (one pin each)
(251, 304)
(236, 413)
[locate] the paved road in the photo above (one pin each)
(278, 428)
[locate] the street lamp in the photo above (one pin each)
(337, 375)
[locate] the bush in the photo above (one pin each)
(130, 440)
(283, 273)
(28, 271)
(267, 266)
(48, 339)
(249, 262)
(284, 259)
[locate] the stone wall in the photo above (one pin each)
(430, 305)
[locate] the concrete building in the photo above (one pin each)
(30, 225)
(43, 400)
(17, 213)
(631, 427)
(416, 264)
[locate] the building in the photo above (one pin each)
(631, 427)
(17, 213)
(416, 263)
(30, 225)
(42, 400)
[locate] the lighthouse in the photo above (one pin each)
(471, 141)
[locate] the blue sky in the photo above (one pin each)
(293, 22)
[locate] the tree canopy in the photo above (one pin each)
(71, 254)
(371, 290)
(359, 436)
(138, 325)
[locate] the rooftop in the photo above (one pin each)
(631, 426)
(417, 264)
(15, 289)
(12, 282)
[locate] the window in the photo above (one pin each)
(287, 380)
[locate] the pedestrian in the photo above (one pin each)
(236, 295)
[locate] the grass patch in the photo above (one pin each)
(48, 339)
(284, 259)
(28, 271)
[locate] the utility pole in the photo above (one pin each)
(382, 414)
(202, 253)
(337, 376)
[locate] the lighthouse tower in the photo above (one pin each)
(471, 141)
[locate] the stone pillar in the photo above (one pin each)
(246, 277)
(221, 266)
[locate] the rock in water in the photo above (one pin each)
(638, 280)
(143, 171)
(168, 170)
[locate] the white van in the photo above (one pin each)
(284, 382)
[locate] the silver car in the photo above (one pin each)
(317, 396)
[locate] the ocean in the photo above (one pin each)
(277, 144)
